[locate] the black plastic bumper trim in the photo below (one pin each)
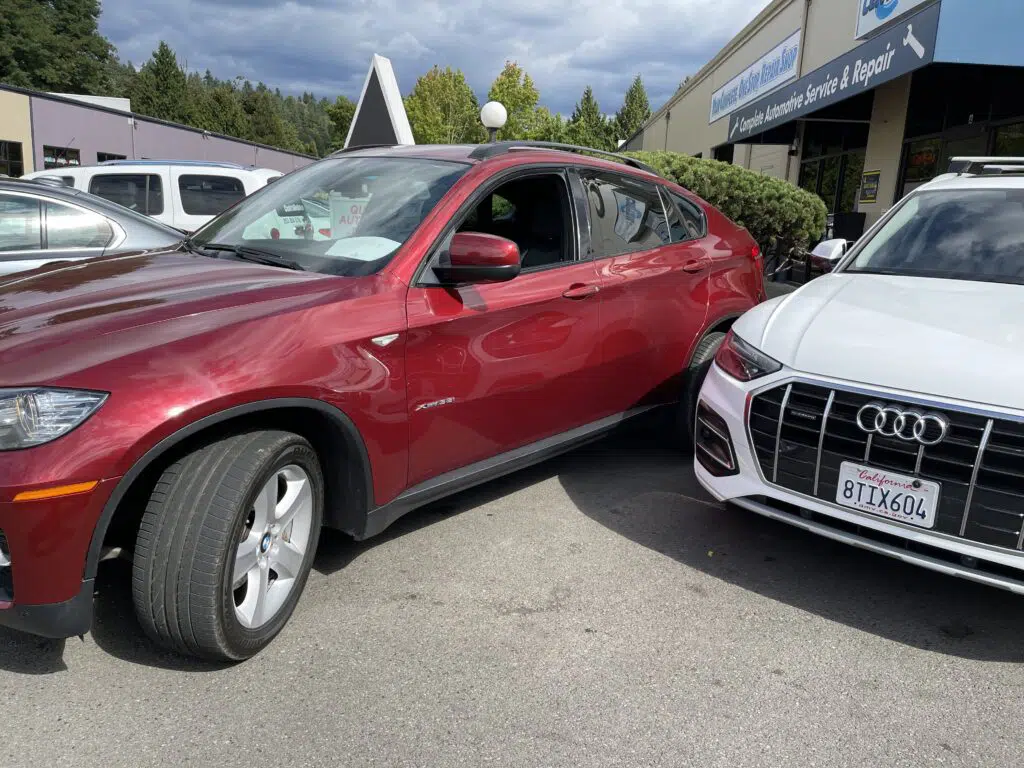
(53, 620)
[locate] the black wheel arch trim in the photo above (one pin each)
(709, 328)
(349, 429)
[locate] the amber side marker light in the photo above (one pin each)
(57, 491)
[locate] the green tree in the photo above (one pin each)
(443, 109)
(635, 110)
(161, 87)
(230, 116)
(514, 88)
(547, 127)
(588, 127)
(340, 113)
(53, 45)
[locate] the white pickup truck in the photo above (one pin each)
(183, 194)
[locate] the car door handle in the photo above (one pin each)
(580, 291)
(695, 265)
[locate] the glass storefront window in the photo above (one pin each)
(923, 160)
(830, 170)
(1010, 141)
(809, 176)
(852, 174)
(11, 160)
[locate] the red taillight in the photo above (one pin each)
(755, 254)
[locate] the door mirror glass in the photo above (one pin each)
(475, 257)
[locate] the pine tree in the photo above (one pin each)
(53, 46)
(340, 113)
(588, 127)
(635, 111)
(161, 88)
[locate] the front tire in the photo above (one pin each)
(226, 544)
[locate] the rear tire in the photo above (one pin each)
(686, 413)
(206, 582)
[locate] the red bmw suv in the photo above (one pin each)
(365, 335)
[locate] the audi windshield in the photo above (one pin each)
(340, 216)
(963, 234)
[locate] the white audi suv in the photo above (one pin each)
(882, 404)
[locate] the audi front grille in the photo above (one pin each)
(802, 433)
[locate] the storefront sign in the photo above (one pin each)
(901, 49)
(869, 187)
(775, 68)
(872, 14)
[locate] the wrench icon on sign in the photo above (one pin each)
(913, 42)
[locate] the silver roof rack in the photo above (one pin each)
(986, 166)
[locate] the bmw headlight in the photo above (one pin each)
(30, 417)
(744, 361)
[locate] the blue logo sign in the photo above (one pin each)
(883, 8)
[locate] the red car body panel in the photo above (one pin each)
(474, 371)
(518, 359)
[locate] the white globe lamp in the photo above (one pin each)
(493, 116)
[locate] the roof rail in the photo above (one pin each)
(485, 151)
(343, 150)
(986, 165)
(190, 163)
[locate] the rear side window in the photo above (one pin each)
(209, 195)
(625, 216)
(142, 192)
(20, 223)
(686, 220)
(68, 227)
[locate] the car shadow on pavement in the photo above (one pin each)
(29, 655)
(649, 495)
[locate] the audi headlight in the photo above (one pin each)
(744, 361)
(30, 417)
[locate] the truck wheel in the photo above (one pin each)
(226, 544)
(686, 415)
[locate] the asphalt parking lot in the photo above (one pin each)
(594, 610)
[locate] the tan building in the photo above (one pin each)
(858, 101)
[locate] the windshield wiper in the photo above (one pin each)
(248, 254)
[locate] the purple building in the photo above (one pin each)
(39, 131)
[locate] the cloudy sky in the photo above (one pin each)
(325, 45)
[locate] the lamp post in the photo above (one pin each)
(493, 116)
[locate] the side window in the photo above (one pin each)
(625, 216)
(140, 192)
(209, 195)
(20, 223)
(68, 227)
(533, 212)
(501, 208)
(686, 219)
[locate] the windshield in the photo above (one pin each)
(341, 216)
(963, 235)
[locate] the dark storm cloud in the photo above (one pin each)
(325, 46)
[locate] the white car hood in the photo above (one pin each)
(948, 338)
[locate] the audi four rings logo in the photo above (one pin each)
(911, 426)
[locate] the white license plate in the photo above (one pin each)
(887, 494)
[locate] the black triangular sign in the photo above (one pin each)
(380, 116)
